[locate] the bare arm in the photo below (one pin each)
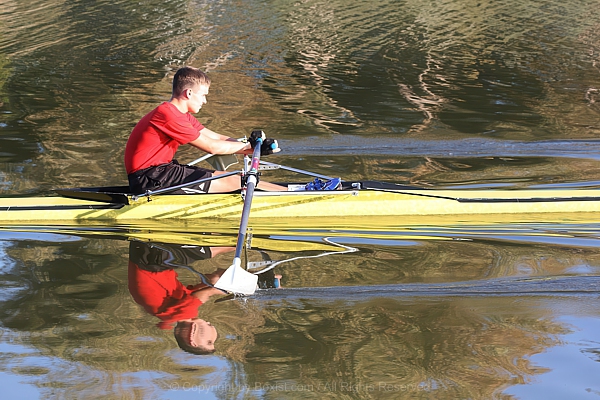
(215, 143)
(204, 292)
(214, 135)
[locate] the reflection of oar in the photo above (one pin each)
(269, 265)
(235, 279)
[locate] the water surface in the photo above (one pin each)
(466, 94)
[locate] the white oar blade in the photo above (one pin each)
(237, 280)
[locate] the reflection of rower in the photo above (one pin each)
(154, 284)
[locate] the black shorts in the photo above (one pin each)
(167, 175)
(157, 257)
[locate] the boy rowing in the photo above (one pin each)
(157, 136)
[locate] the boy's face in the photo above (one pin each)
(197, 98)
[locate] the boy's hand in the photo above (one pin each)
(269, 146)
(255, 135)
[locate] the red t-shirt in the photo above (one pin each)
(155, 139)
(161, 294)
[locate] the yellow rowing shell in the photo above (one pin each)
(398, 206)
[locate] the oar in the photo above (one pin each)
(219, 162)
(236, 279)
(204, 157)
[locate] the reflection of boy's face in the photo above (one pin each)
(202, 334)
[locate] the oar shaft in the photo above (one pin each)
(204, 157)
(245, 215)
(251, 182)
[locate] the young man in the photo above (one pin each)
(154, 284)
(157, 136)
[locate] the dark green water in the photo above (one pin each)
(434, 93)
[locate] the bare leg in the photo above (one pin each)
(233, 182)
(271, 187)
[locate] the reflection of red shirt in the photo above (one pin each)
(155, 139)
(161, 294)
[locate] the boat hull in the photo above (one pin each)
(281, 207)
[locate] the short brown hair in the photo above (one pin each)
(188, 78)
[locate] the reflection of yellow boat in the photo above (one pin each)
(163, 234)
(306, 234)
(216, 240)
(360, 202)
